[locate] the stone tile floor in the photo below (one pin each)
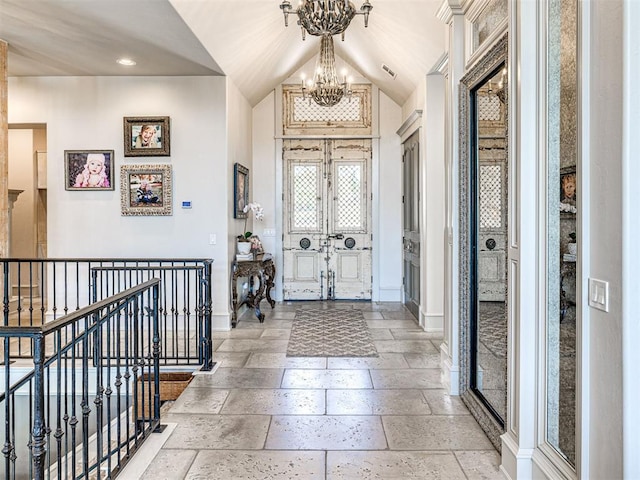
(261, 415)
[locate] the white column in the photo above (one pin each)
(433, 205)
(452, 13)
(13, 196)
(519, 441)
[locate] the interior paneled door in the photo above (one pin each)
(411, 233)
(327, 219)
(492, 231)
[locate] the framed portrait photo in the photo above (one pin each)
(145, 190)
(568, 191)
(88, 170)
(146, 137)
(240, 190)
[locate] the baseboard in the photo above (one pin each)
(432, 323)
(390, 294)
(221, 322)
(516, 462)
(450, 373)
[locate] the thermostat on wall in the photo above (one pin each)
(186, 204)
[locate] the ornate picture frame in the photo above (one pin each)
(88, 170)
(146, 190)
(146, 137)
(240, 190)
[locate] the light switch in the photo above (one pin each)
(212, 239)
(599, 294)
(269, 232)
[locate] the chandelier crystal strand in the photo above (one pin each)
(326, 90)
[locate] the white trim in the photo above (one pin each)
(449, 8)
(389, 294)
(407, 125)
(332, 137)
(630, 234)
(583, 329)
(376, 293)
(279, 189)
(432, 323)
(135, 468)
(441, 66)
(221, 322)
(545, 467)
(516, 462)
(450, 374)
(471, 56)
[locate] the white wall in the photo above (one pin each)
(389, 198)
(21, 177)
(86, 113)
(264, 169)
(239, 141)
(603, 202)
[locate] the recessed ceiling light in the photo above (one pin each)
(126, 61)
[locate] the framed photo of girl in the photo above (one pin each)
(145, 190)
(88, 170)
(146, 137)
(568, 192)
(240, 190)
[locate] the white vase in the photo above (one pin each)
(244, 247)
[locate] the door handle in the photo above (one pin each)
(337, 236)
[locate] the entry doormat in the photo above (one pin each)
(330, 333)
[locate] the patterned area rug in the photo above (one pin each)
(330, 333)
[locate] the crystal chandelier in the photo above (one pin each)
(325, 89)
(325, 17)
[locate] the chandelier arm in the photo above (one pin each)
(321, 17)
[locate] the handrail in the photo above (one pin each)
(37, 291)
(78, 314)
(86, 353)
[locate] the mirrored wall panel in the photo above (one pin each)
(562, 241)
(483, 170)
(489, 241)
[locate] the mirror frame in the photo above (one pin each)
(483, 68)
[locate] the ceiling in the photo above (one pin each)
(245, 40)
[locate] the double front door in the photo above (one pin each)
(327, 219)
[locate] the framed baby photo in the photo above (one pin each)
(88, 170)
(145, 190)
(146, 137)
(240, 190)
(568, 192)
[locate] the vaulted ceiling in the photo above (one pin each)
(243, 39)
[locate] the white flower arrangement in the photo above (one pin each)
(258, 213)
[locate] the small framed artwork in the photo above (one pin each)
(568, 191)
(88, 170)
(240, 190)
(146, 137)
(145, 190)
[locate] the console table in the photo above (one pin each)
(261, 273)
